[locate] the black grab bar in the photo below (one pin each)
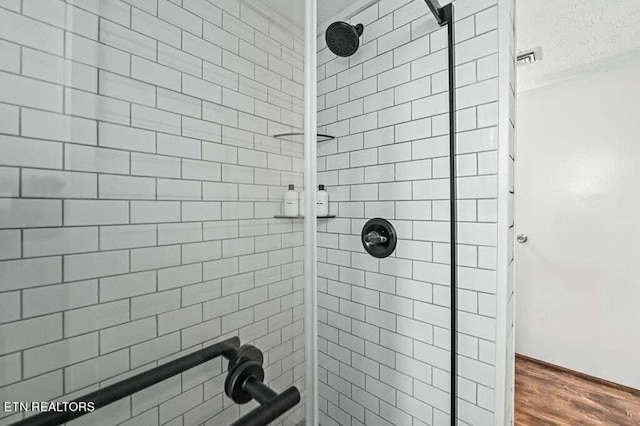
(244, 382)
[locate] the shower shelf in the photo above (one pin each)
(288, 136)
(278, 216)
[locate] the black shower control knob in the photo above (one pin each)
(374, 237)
(379, 237)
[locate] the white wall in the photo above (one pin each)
(137, 192)
(579, 185)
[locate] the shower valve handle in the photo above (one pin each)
(522, 238)
(374, 237)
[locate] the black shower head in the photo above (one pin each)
(343, 39)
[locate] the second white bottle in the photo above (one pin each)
(322, 202)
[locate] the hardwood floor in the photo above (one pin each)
(551, 396)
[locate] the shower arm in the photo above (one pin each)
(437, 11)
(445, 17)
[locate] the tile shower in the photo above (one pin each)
(384, 327)
(140, 180)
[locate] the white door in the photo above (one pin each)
(578, 201)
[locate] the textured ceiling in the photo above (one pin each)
(577, 37)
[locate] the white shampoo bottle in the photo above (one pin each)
(322, 203)
(301, 208)
(290, 204)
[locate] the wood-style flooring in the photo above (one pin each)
(551, 396)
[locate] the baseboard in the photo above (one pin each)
(584, 376)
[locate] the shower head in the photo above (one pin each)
(343, 39)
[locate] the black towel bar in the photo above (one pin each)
(244, 382)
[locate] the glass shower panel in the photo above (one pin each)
(139, 183)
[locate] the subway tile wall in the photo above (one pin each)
(138, 184)
(384, 325)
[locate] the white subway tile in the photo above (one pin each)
(205, 10)
(220, 114)
(173, 233)
(178, 146)
(127, 89)
(127, 334)
(126, 188)
(125, 286)
(201, 129)
(200, 333)
(202, 89)
(411, 50)
(362, 88)
(395, 191)
(80, 321)
(10, 304)
(394, 39)
(19, 213)
(30, 152)
(394, 115)
(54, 69)
(29, 32)
(199, 252)
(44, 125)
(155, 211)
(10, 367)
(52, 241)
(154, 165)
(239, 28)
(84, 104)
(95, 370)
(200, 211)
(179, 276)
(127, 40)
(154, 119)
(59, 354)
(9, 57)
(97, 54)
(91, 159)
(219, 75)
(155, 303)
(155, 74)
(10, 244)
(127, 236)
(81, 212)
(154, 349)
(154, 258)
(54, 184)
(9, 182)
(46, 388)
(281, 36)
(478, 93)
(173, 189)
(29, 333)
(179, 319)
(93, 265)
(180, 17)
(179, 103)
(220, 268)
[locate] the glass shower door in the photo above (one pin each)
(139, 184)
